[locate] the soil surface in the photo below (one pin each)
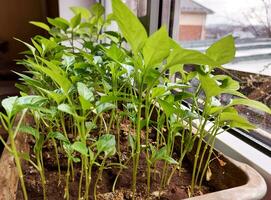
(176, 190)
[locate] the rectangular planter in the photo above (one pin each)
(234, 180)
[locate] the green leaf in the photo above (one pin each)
(161, 154)
(167, 107)
(57, 97)
(84, 12)
(235, 93)
(209, 85)
(131, 28)
(80, 147)
(251, 103)
(111, 98)
(116, 53)
(68, 60)
(30, 130)
(68, 149)
(107, 144)
(41, 25)
(158, 92)
(97, 10)
(67, 109)
(235, 120)
(12, 105)
(58, 135)
(183, 95)
(32, 49)
(9, 104)
(185, 56)
(90, 125)
(86, 104)
(85, 96)
(156, 48)
(75, 21)
(227, 82)
(59, 23)
(39, 144)
(24, 101)
(222, 51)
(91, 155)
(55, 73)
(29, 80)
(85, 92)
(102, 107)
(37, 46)
(132, 143)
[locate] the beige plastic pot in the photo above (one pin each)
(233, 180)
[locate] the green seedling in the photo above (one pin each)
(85, 82)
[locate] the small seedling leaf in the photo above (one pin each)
(59, 136)
(80, 147)
(9, 104)
(41, 25)
(30, 130)
(107, 144)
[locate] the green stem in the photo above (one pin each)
(57, 160)
(98, 178)
(41, 171)
(15, 152)
(147, 116)
(18, 164)
(67, 192)
(138, 137)
(203, 154)
(208, 158)
(81, 180)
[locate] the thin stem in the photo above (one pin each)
(41, 171)
(57, 160)
(67, 192)
(98, 178)
(138, 137)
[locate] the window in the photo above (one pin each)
(203, 21)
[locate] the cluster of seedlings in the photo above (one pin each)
(83, 81)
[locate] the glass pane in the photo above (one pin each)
(201, 22)
(138, 7)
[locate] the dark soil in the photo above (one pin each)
(177, 189)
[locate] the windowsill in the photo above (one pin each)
(241, 151)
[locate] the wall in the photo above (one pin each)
(14, 18)
(192, 19)
(192, 26)
(64, 6)
(190, 32)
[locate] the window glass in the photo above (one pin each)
(201, 22)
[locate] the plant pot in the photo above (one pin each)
(9, 177)
(232, 180)
(254, 187)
